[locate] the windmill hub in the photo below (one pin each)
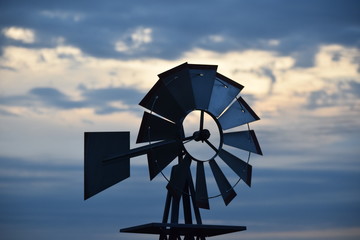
(201, 135)
(205, 135)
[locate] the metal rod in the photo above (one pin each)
(193, 199)
(167, 207)
(175, 205)
(138, 151)
(186, 204)
(211, 145)
(143, 150)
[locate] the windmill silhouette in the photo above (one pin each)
(180, 91)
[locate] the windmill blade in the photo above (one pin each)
(160, 157)
(223, 93)
(98, 146)
(154, 128)
(178, 82)
(202, 79)
(224, 186)
(202, 198)
(245, 140)
(179, 174)
(241, 168)
(237, 114)
(161, 101)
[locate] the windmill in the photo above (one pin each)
(179, 92)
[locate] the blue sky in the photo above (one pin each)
(68, 67)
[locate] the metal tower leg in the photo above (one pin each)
(172, 208)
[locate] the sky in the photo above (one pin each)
(69, 67)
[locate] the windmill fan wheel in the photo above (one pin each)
(179, 93)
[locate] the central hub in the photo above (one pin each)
(201, 135)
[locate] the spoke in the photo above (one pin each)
(202, 120)
(211, 145)
(187, 139)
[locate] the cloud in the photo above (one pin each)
(7, 68)
(54, 98)
(103, 101)
(112, 99)
(42, 96)
(354, 87)
(3, 112)
(347, 93)
(20, 34)
(18, 170)
(236, 25)
(129, 96)
(63, 15)
(267, 71)
(268, 77)
(135, 41)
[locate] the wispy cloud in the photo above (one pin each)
(134, 41)
(103, 101)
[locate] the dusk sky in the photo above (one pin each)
(69, 67)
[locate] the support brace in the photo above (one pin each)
(174, 230)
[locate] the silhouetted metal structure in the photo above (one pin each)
(178, 92)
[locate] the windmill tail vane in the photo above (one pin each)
(188, 89)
